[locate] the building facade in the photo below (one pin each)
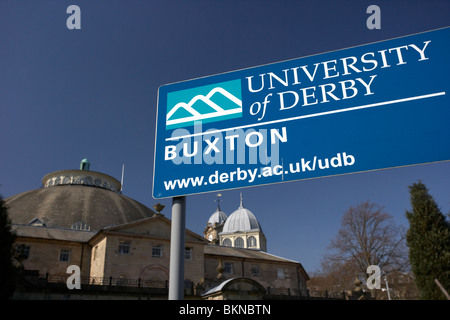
(80, 217)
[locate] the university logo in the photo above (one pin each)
(209, 103)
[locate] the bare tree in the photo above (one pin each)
(368, 236)
(334, 276)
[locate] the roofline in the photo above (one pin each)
(220, 288)
(131, 223)
(284, 260)
(19, 225)
(301, 266)
(107, 230)
(242, 231)
(274, 255)
(51, 227)
(74, 172)
(250, 258)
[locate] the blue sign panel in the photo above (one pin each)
(375, 106)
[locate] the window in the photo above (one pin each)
(80, 225)
(239, 242)
(64, 255)
(37, 223)
(251, 242)
(124, 247)
(22, 251)
(157, 251)
(255, 270)
(229, 268)
(188, 254)
(280, 273)
(226, 243)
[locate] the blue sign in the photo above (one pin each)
(370, 107)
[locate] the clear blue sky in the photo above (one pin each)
(69, 94)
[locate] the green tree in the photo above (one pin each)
(428, 239)
(7, 269)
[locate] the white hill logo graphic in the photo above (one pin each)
(209, 103)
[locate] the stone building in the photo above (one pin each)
(81, 218)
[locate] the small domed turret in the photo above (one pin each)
(85, 164)
(243, 230)
(215, 223)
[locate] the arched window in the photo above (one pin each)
(226, 242)
(239, 242)
(251, 242)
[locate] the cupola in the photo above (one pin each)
(242, 230)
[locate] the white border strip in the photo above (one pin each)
(426, 96)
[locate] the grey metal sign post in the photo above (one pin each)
(177, 242)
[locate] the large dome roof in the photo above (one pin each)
(241, 220)
(76, 199)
